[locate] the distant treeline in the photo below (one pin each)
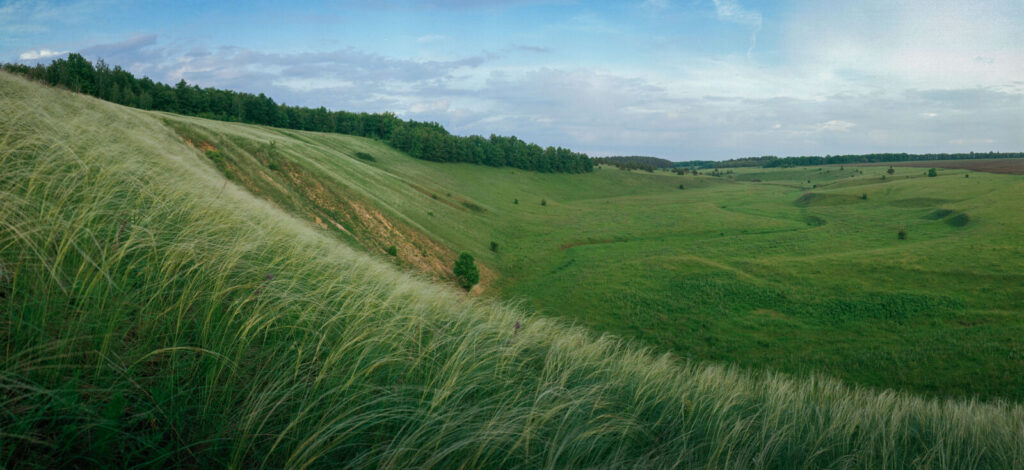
(696, 164)
(635, 162)
(424, 140)
(771, 161)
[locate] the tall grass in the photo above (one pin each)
(154, 315)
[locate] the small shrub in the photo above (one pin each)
(274, 166)
(433, 196)
(365, 157)
(883, 177)
(681, 187)
(392, 250)
(543, 202)
(494, 247)
(864, 196)
(516, 201)
(891, 170)
(901, 235)
(932, 173)
(967, 175)
(465, 271)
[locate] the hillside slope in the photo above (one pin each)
(155, 314)
(796, 270)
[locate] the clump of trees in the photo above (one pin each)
(466, 272)
(424, 140)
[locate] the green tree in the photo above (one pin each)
(465, 271)
(891, 170)
(932, 172)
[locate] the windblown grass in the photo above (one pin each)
(155, 315)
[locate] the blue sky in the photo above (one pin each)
(680, 79)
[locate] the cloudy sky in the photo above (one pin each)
(680, 79)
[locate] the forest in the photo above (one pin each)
(423, 140)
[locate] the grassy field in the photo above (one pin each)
(155, 314)
(797, 270)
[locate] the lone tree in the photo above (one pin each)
(465, 271)
(932, 173)
(891, 170)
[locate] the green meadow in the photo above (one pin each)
(799, 270)
(183, 292)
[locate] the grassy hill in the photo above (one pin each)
(155, 313)
(788, 269)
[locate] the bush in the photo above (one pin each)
(516, 201)
(494, 247)
(891, 170)
(932, 173)
(901, 235)
(392, 250)
(274, 166)
(681, 187)
(864, 196)
(543, 202)
(465, 271)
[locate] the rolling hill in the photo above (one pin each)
(185, 292)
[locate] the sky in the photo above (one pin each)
(677, 79)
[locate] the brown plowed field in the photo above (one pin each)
(1011, 166)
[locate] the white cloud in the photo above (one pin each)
(40, 54)
(732, 11)
(836, 125)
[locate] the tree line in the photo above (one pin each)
(424, 140)
(771, 161)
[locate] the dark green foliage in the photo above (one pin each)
(274, 166)
(864, 196)
(932, 173)
(902, 234)
(365, 157)
(959, 220)
(516, 201)
(465, 271)
(967, 175)
(494, 246)
(543, 202)
(392, 250)
(891, 170)
(424, 140)
(681, 187)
